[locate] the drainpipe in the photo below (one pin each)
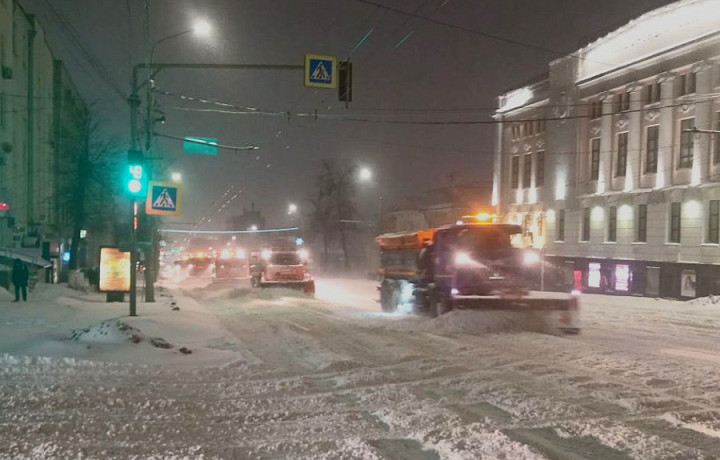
(30, 120)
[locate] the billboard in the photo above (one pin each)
(114, 270)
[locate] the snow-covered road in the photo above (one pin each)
(291, 377)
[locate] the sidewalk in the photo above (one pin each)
(44, 325)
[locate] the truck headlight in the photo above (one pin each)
(463, 258)
(531, 258)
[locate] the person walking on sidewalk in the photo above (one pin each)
(20, 277)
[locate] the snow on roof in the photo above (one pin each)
(654, 32)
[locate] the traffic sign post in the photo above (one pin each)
(320, 71)
(163, 198)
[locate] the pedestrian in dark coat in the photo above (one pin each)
(20, 277)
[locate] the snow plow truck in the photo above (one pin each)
(470, 265)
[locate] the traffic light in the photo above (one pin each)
(345, 81)
(136, 174)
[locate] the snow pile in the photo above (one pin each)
(705, 301)
(111, 331)
(114, 331)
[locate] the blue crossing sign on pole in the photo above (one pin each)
(320, 71)
(163, 198)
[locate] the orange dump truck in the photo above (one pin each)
(471, 265)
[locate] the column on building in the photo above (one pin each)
(632, 176)
(703, 120)
(606, 144)
(665, 136)
(497, 191)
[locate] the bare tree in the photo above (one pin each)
(91, 168)
(333, 207)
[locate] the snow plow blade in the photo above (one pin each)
(564, 309)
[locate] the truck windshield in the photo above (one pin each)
(285, 258)
(483, 240)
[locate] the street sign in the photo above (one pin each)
(201, 145)
(163, 198)
(320, 71)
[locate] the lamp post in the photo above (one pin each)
(365, 175)
(200, 28)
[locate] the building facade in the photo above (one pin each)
(611, 161)
(38, 107)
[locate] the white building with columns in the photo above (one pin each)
(611, 161)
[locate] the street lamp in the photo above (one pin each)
(365, 174)
(292, 208)
(176, 177)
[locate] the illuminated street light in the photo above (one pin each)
(176, 177)
(292, 208)
(365, 174)
(202, 28)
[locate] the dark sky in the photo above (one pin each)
(438, 67)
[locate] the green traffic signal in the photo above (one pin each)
(136, 175)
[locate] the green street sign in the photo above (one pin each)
(201, 145)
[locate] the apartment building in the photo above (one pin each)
(611, 161)
(38, 106)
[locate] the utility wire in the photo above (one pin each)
(95, 63)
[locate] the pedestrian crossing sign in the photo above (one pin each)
(163, 198)
(320, 71)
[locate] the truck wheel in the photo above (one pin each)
(310, 288)
(387, 297)
(441, 306)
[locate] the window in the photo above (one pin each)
(622, 145)
(687, 83)
(527, 171)
(651, 149)
(595, 158)
(675, 222)
(540, 126)
(713, 235)
(622, 102)
(515, 131)
(560, 230)
(540, 169)
(652, 93)
(685, 158)
(612, 224)
(515, 173)
(641, 224)
(596, 109)
(528, 128)
(585, 225)
(716, 140)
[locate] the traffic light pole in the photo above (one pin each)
(133, 259)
